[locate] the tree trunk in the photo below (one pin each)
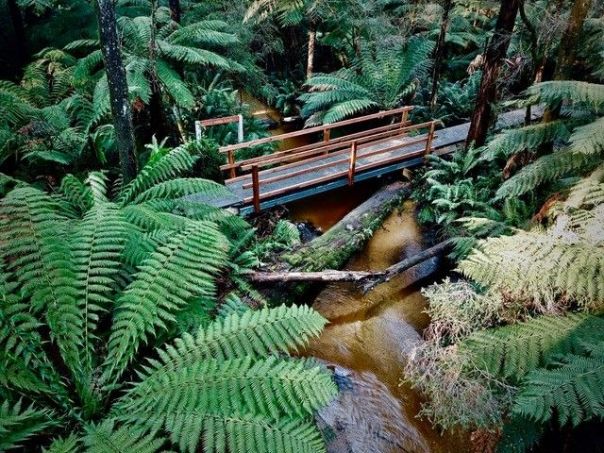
(175, 11)
(19, 29)
(439, 52)
(567, 52)
(310, 63)
(118, 89)
(495, 54)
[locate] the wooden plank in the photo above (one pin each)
(303, 171)
(218, 121)
(311, 182)
(313, 130)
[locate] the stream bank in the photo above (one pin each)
(370, 336)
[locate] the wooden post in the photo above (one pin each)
(404, 118)
(430, 137)
(326, 134)
(352, 164)
(231, 159)
(256, 188)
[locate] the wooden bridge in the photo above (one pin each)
(390, 143)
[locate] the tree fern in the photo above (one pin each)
(172, 165)
(381, 78)
(84, 288)
(548, 168)
(539, 266)
(513, 141)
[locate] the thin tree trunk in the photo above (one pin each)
(439, 52)
(310, 63)
(495, 54)
(175, 11)
(19, 29)
(567, 53)
(118, 89)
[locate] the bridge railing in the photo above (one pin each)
(328, 144)
(352, 160)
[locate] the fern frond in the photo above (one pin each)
(180, 187)
(540, 267)
(76, 193)
(251, 333)
(171, 165)
(546, 169)
(70, 444)
(18, 423)
(97, 245)
(515, 350)
(173, 275)
(589, 139)
(571, 389)
(269, 387)
(513, 141)
(32, 241)
(552, 92)
(106, 436)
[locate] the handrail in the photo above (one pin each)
(353, 155)
(312, 130)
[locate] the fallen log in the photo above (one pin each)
(405, 264)
(334, 248)
(328, 275)
(367, 280)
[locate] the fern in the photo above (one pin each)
(268, 388)
(381, 78)
(106, 436)
(85, 289)
(251, 333)
(18, 423)
(571, 388)
(161, 288)
(530, 137)
(172, 165)
(540, 266)
(513, 351)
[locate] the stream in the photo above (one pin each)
(369, 336)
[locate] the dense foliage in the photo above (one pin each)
(127, 318)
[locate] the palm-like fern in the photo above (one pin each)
(193, 45)
(579, 140)
(563, 261)
(381, 78)
(94, 281)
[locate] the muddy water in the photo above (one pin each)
(369, 338)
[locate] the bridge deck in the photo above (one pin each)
(307, 177)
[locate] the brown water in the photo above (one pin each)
(369, 338)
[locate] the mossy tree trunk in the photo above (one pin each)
(495, 54)
(334, 248)
(118, 89)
